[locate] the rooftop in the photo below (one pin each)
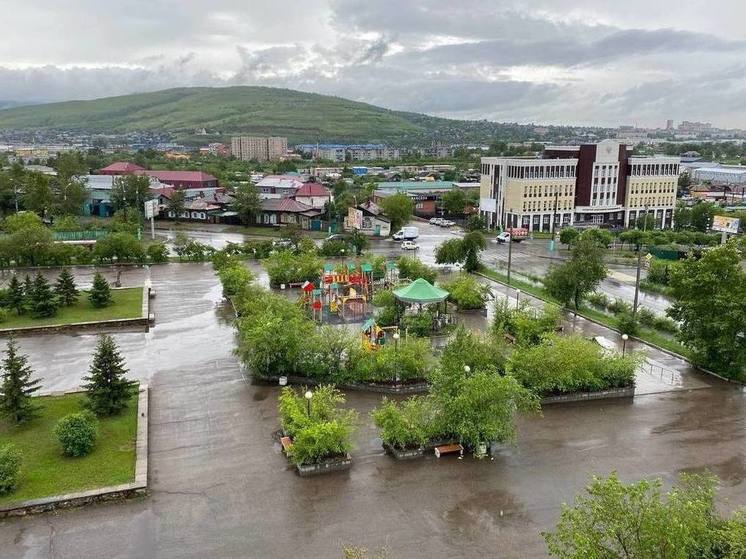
(186, 176)
(122, 167)
(312, 189)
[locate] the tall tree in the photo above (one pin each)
(464, 250)
(17, 387)
(575, 278)
(65, 288)
(37, 193)
(398, 208)
(43, 300)
(100, 294)
(247, 203)
(614, 520)
(108, 389)
(710, 304)
(70, 196)
(16, 297)
(177, 204)
(454, 201)
(130, 192)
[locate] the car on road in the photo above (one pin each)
(409, 245)
(283, 243)
(503, 237)
(407, 234)
(336, 237)
(435, 220)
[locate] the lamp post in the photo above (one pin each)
(639, 265)
(510, 247)
(308, 396)
(396, 351)
(517, 297)
(625, 337)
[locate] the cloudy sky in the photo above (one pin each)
(598, 62)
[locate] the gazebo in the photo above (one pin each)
(422, 292)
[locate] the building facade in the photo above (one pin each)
(589, 185)
(339, 153)
(259, 148)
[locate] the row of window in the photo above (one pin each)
(606, 171)
(535, 191)
(546, 205)
(652, 188)
(553, 171)
(654, 169)
(652, 201)
(189, 215)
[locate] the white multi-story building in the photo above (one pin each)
(592, 184)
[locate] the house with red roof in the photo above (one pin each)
(313, 194)
(121, 168)
(177, 179)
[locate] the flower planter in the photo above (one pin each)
(336, 464)
(404, 454)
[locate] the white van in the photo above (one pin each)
(407, 234)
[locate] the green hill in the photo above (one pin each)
(225, 111)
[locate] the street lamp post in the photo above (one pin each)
(517, 297)
(625, 337)
(308, 396)
(396, 350)
(639, 265)
(510, 246)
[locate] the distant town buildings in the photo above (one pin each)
(339, 153)
(259, 148)
(177, 179)
(592, 184)
(426, 195)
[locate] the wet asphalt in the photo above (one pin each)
(221, 488)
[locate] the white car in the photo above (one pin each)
(503, 237)
(409, 245)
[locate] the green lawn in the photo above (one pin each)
(127, 304)
(45, 471)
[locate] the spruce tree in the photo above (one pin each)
(16, 297)
(100, 294)
(43, 300)
(108, 389)
(65, 288)
(28, 292)
(17, 386)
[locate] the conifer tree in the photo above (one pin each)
(100, 294)
(16, 298)
(108, 388)
(28, 291)
(17, 386)
(43, 300)
(65, 288)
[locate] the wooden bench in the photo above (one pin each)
(286, 443)
(449, 449)
(510, 338)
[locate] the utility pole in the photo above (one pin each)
(639, 265)
(510, 247)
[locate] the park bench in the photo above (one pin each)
(510, 338)
(286, 443)
(449, 449)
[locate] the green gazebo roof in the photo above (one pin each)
(421, 291)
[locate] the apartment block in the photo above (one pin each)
(589, 185)
(259, 148)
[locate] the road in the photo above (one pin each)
(220, 487)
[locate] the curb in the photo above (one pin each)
(102, 494)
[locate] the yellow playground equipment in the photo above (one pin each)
(374, 336)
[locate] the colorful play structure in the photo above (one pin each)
(345, 290)
(375, 336)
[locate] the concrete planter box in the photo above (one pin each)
(338, 464)
(412, 388)
(404, 454)
(627, 392)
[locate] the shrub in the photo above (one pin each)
(320, 429)
(477, 351)
(409, 359)
(526, 324)
(412, 268)
(336, 247)
(467, 293)
(618, 306)
(157, 253)
(562, 364)
(257, 249)
(627, 324)
(665, 324)
(4, 314)
(418, 324)
(10, 466)
(599, 300)
(234, 278)
(77, 433)
(403, 424)
(286, 267)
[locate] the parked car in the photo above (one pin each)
(503, 237)
(446, 223)
(283, 243)
(409, 245)
(336, 237)
(434, 220)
